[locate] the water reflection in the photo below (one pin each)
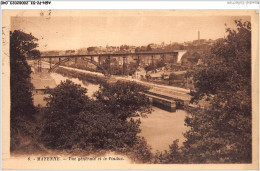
(91, 88)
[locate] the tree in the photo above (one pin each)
(73, 121)
(106, 67)
(100, 129)
(161, 63)
(34, 54)
(149, 48)
(22, 109)
(64, 104)
(21, 44)
(149, 67)
(111, 66)
(90, 49)
(153, 66)
(124, 99)
(225, 80)
(124, 47)
(131, 68)
(138, 49)
(222, 132)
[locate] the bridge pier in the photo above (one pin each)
(124, 65)
(50, 63)
(39, 65)
(68, 61)
(76, 60)
(179, 56)
(99, 60)
(163, 57)
(152, 60)
(138, 60)
(109, 60)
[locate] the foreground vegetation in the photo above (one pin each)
(22, 109)
(72, 122)
(220, 133)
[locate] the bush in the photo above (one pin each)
(64, 104)
(73, 121)
(140, 152)
(124, 99)
(104, 131)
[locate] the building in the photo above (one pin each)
(156, 75)
(82, 51)
(166, 75)
(50, 53)
(140, 73)
(41, 82)
(70, 52)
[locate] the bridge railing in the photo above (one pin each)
(110, 54)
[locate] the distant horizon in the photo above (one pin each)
(72, 32)
(125, 44)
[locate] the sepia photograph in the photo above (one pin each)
(130, 87)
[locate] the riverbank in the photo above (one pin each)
(83, 76)
(91, 88)
(180, 90)
(160, 128)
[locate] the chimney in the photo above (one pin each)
(199, 37)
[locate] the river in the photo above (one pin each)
(91, 88)
(160, 128)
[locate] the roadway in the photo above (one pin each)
(170, 91)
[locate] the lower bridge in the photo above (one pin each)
(168, 100)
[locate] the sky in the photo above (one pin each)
(65, 33)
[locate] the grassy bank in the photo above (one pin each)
(91, 78)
